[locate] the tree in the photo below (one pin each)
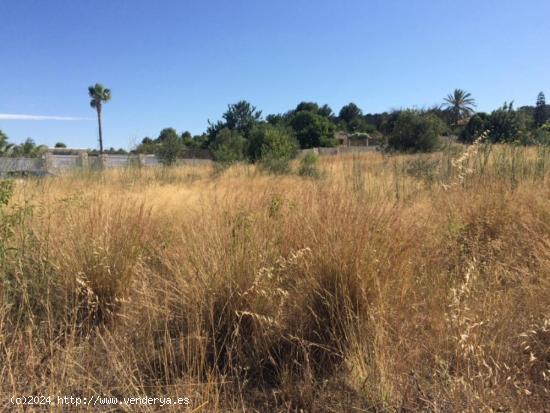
(275, 141)
(349, 112)
(308, 107)
(325, 111)
(313, 130)
(60, 145)
(542, 135)
(147, 145)
(28, 149)
(5, 147)
(3, 138)
(352, 118)
(168, 134)
(228, 146)
(416, 132)
(187, 139)
(99, 95)
(460, 104)
(313, 107)
(508, 125)
(477, 124)
(169, 146)
(273, 147)
(541, 113)
(275, 120)
(242, 117)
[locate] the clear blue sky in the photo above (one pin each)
(179, 63)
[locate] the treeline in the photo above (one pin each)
(30, 149)
(27, 149)
(244, 134)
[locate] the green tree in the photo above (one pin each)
(3, 138)
(541, 113)
(542, 134)
(352, 117)
(187, 139)
(508, 125)
(326, 111)
(60, 145)
(477, 124)
(99, 95)
(272, 146)
(313, 130)
(460, 104)
(228, 146)
(308, 107)
(169, 146)
(416, 132)
(5, 147)
(28, 149)
(276, 119)
(147, 145)
(168, 134)
(242, 117)
(349, 112)
(313, 107)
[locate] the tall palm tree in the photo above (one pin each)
(99, 95)
(460, 103)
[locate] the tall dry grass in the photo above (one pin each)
(403, 283)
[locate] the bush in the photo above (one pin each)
(309, 166)
(542, 134)
(508, 125)
(416, 132)
(228, 147)
(273, 147)
(271, 140)
(169, 148)
(477, 124)
(313, 130)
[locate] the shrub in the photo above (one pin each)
(416, 132)
(273, 147)
(542, 134)
(313, 130)
(423, 168)
(475, 126)
(508, 125)
(169, 148)
(309, 166)
(228, 147)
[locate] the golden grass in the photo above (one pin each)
(404, 283)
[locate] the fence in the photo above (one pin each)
(54, 164)
(339, 150)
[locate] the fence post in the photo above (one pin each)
(141, 160)
(82, 161)
(47, 163)
(102, 161)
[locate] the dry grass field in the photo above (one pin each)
(392, 283)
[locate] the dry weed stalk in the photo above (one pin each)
(211, 292)
(461, 163)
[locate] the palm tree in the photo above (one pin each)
(99, 95)
(27, 149)
(460, 103)
(6, 148)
